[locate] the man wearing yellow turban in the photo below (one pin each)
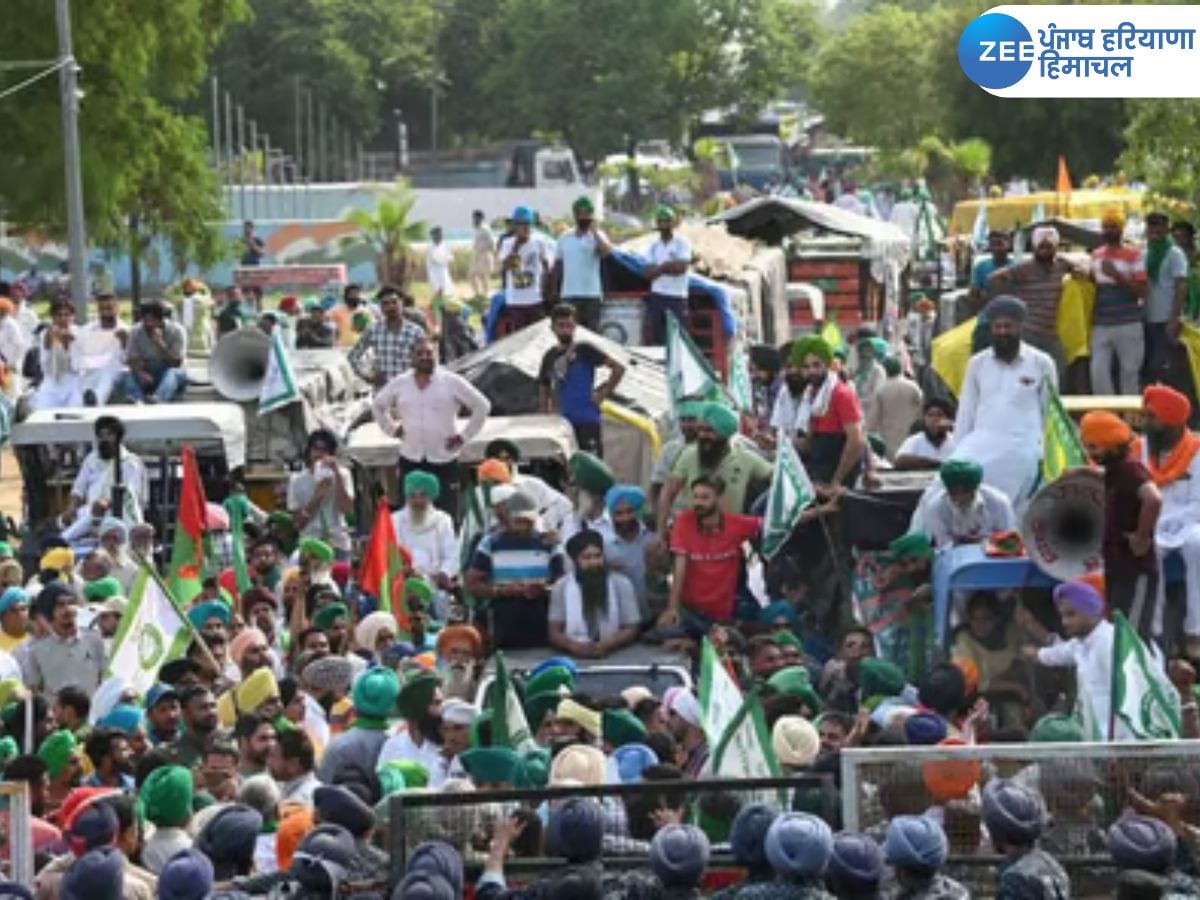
(965, 510)
(1117, 334)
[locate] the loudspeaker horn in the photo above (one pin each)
(1063, 528)
(239, 363)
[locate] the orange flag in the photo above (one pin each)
(1064, 177)
(385, 566)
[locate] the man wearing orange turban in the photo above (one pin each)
(1171, 454)
(1132, 504)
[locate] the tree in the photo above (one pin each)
(351, 55)
(607, 73)
(141, 159)
(875, 82)
(1158, 149)
(390, 231)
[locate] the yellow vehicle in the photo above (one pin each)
(1009, 212)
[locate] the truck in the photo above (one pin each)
(761, 161)
(520, 164)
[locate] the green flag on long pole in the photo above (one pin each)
(1061, 447)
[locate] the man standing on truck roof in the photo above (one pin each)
(523, 266)
(668, 260)
(578, 267)
(392, 340)
(420, 408)
(568, 379)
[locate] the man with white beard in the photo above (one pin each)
(460, 660)
(428, 533)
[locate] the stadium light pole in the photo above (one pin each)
(68, 78)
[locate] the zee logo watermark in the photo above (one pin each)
(995, 51)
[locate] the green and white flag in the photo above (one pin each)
(279, 384)
(734, 725)
(1061, 447)
(689, 374)
(791, 492)
(1143, 698)
(510, 728)
(741, 389)
(153, 632)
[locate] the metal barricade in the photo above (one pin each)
(16, 831)
(1085, 787)
(467, 819)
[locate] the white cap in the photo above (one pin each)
(501, 493)
(685, 705)
(458, 712)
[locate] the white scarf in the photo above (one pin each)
(577, 627)
(815, 402)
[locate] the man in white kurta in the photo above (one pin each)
(428, 534)
(1171, 454)
(102, 352)
(964, 511)
(1000, 415)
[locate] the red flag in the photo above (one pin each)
(385, 567)
(187, 544)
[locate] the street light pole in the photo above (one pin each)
(76, 227)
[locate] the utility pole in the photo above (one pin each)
(68, 77)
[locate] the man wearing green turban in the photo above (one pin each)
(427, 532)
(166, 800)
(60, 752)
(744, 472)
(966, 511)
(666, 268)
(828, 422)
(579, 253)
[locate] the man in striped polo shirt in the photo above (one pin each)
(1038, 283)
(511, 573)
(1119, 271)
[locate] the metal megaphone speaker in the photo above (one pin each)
(239, 363)
(1063, 527)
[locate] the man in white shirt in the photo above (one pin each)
(483, 255)
(1088, 649)
(92, 493)
(963, 510)
(1170, 451)
(26, 316)
(12, 350)
(420, 407)
(667, 261)
(1000, 412)
(322, 495)
(593, 611)
(523, 267)
(933, 444)
(102, 352)
(578, 266)
(420, 702)
(428, 533)
(554, 507)
(438, 260)
(61, 385)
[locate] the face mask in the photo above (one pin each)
(1006, 345)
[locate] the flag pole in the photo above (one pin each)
(1112, 685)
(187, 623)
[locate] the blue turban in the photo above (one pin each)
(124, 718)
(915, 842)
(799, 846)
(112, 523)
(780, 609)
(625, 493)
(1013, 814)
(421, 481)
(857, 862)
(924, 729)
(1139, 842)
(748, 836)
(576, 830)
(679, 855)
(11, 597)
(212, 609)
(632, 760)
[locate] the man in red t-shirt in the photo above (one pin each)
(830, 420)
(706, 546)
